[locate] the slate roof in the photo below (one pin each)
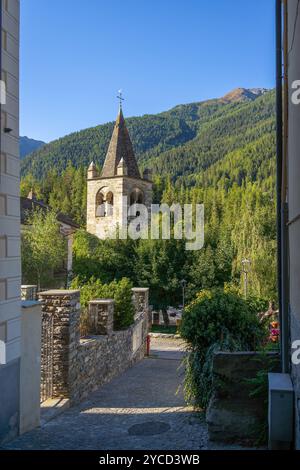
(120, 147)
(27, 205)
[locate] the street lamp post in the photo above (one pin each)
(183, 284)
(245, 270)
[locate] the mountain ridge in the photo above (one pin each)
(28, 145)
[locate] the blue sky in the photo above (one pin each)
(76, 54)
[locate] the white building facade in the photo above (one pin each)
(10, 264)
(292, 155)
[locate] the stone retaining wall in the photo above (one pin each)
(232, 415)
(100, 358)
(74, 367)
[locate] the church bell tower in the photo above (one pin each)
(120, 181)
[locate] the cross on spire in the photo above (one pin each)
(120, 98)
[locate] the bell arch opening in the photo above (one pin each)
(100, 207)
(109, 203)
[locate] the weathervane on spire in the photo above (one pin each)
(120, 98)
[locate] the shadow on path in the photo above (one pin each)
(143, 408)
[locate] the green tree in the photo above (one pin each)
(159, 265)
(43, 247)
(107, 260)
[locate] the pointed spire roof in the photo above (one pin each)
(120, 147)
(92, 171)
(92, 166)
(122, 162)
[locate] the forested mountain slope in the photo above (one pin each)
(181, 141)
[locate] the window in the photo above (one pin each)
(136, 197)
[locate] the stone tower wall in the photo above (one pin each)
(120, 186)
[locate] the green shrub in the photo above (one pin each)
(216, 320)
(214, 314)
(199, 374)
(120, 291)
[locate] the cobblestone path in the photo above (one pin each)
(141, 409)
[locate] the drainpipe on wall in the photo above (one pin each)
(282, 210)
(279, 152)
(285, 355)
(281, 394)
(0, 75)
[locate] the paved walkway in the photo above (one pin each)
(141, 409)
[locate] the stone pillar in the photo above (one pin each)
(30, 378)
(29, 292)
(140, 298)
(142, 317)
(60, 339)
(101, 316)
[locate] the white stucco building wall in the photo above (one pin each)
(10, 266)
(293, 129)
